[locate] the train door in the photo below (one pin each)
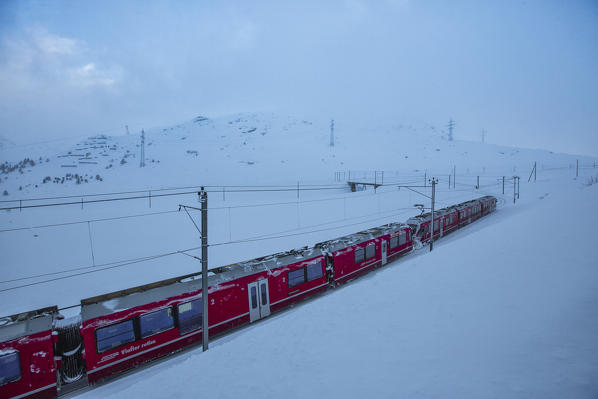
(259, 300)
(383, 252)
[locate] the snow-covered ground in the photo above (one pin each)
(504, 308)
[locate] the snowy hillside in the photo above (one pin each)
(233, 149)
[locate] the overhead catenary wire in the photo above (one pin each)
(294, 202)
(294, 188)
(116, 264)
(97, 269)
(87, 221)
(301, 233)
(138, 197)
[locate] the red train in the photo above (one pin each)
(42, 356)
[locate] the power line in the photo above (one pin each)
(96, 269)
(165, 189)
(112, 265)
(87, 221)
(213, 208)
(137, 197)
(87, 136)
(306, 232)
(83, 202)
(116, 262)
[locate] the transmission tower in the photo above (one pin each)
(451, 126)
(142, 161)
(332, 133)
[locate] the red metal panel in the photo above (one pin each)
(38, 373)
(345, 267)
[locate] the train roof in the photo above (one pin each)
(359, 237)
(27, 323)
(132, 297)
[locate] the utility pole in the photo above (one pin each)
(503, 184)
(332, 133)
(451, 126)
(518, 185)
(449, 182)
(433, 181)
(127, 129)
(203, 198)
(516, 180)
(142, 161)
(483, 136)
(477, 185)
(533, 172)
(454, 175)
(577, 169)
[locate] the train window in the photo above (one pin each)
(407, 236)
(114, 335)
(296, 277)
(10, 367)
(190, 315)
(402, 239)
(263, 292)
(155, 322)
(253, 297)
(314, 271)
(436, 225)
(359, 255)
(394, 242)
(370, 251)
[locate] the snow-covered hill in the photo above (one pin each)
(235, 149)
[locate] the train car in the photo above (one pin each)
(488, 204)
(451, 218)
(27, 368)
(123, 329)
(355, 254)
(467, 212)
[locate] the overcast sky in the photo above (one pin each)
(526, 71)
